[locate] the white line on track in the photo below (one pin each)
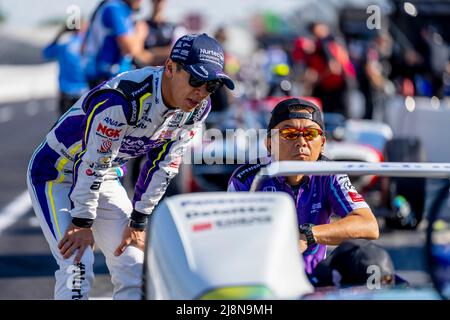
(13, 211)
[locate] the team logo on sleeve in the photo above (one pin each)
(344, 182)
(356, 197)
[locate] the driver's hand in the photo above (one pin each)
(131, 237)
(76, 238)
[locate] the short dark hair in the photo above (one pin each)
(179, 67)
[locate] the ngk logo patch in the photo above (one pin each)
(107, 131)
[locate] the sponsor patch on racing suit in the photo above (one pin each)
(118, 120)
(317, 198)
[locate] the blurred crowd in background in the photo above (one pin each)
(342, 61)
(352, 57)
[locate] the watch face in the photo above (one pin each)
(304, 227)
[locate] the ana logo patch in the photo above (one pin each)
(113, 122)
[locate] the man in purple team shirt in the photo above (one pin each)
(296, 133)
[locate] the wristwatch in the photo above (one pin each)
(137, 225)
(306, 229)
(138, 220)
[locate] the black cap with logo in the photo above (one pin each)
(202, 56)
(290, 109)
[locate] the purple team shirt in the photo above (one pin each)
(317, 198)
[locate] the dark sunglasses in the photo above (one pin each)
(308, 133)
(211, 85)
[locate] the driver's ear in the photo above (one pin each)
(324, 140)
(170, 68)
(268, 145)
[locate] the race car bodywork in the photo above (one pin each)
(225, 246)
(244, 245)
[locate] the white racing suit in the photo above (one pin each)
(74, 174)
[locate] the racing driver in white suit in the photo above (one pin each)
(73, 176)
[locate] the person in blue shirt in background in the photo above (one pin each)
(113, 40)
(65, 48)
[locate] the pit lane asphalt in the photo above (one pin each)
(26, 265)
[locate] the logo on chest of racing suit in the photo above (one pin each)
(138, 146)
(176, 119)
(166, 135)
(113, 122)
(197, 113)
(145, 119)
(105, 131)
(105, 147)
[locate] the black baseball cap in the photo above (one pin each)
(202, 56)
(289, 109)
(352, 259)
